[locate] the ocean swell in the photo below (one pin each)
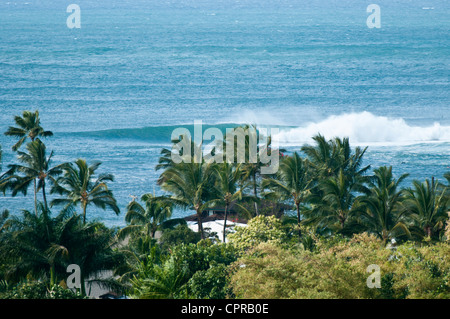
(367, 129)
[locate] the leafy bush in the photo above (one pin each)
(258, 230)
(39, 290)
(210, 283)
(179, 235)
(195, 270)
(341, 271)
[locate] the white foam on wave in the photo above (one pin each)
(366, 128)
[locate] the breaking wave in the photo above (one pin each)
(366, 128)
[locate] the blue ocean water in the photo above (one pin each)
(115, 89)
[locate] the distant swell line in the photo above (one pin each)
(360, 128)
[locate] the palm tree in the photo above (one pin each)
(228, 176)
(36, 167)
(147, 219)
(251, 171)
(383, 213)
(334, 207)
(329, 157)
(28, 247)
(191, 186)
(28, 126)
(293, 181)
(93, 247)
(339, 176)
(79, 186)
(42, 247)
(251, 167)
(4, 178)
(428, 205)
(162, 281)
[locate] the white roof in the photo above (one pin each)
(216, 226)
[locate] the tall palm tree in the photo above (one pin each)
(251, 171)
(80, 186)
(228, 176)
(328, 157)
(35, 168)
(293, 181)
(146, 220)
(428, 205)
(383, 213)
(251, 168)
(191, 186)
(28, 126)
(334, 207)
(339, 176)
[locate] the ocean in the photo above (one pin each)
(114, 89)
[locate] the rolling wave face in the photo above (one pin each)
(362, 128)
(367, 129)
(156, 134)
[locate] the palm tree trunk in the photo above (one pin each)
(225, 221)
(84, 212)
(428, 231)
(52, 275)
(44, 195)
(298, 219)
(255, 192)
(200, 223)
(83, 287)
(35, 198)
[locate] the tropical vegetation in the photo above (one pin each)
(342, 217)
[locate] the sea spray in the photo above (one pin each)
(366, 128)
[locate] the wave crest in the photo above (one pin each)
(366, 128)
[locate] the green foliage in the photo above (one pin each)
(339, 270)
(321, 252)
(162, 281)
(259, 229)
(423, 271)
(178, 235)
(146, 220)
(39, 290)
(193, 270)
(382, 212)
(80, 186)
(41, 246)
(190, 185)
(428, 205)
(28, 126)
(447, 228)
(210, 283)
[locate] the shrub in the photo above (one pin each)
(39, 290)
(179, 235)
(340, 270)
(258, 230)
